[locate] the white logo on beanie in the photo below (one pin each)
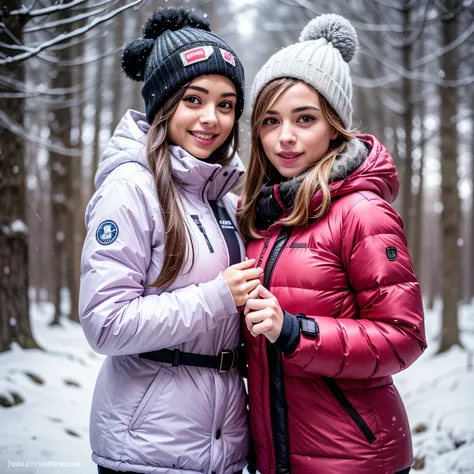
(196, 55)
(229, 57)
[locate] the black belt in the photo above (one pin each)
(225, 361)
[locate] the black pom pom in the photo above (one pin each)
(134, 58)
(173, 19)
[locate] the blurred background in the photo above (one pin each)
(62, 92)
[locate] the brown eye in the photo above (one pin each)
(192, 99)
(226, 105)
(270, 121)
(306, 119)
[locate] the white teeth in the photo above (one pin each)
(201, 135)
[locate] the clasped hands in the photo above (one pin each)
(263, 314)
(262, 311)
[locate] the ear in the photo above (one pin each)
(334, 135)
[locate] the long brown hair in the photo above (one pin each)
(178, 237)
(260, 166)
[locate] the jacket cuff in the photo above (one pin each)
(219, 297)
(289, 337)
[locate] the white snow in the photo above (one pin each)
(19, 226)
(48, 432)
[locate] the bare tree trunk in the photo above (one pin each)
(451, 214)
(417, 237)
(433, 259)
(98, 104)
(138, 103)
(407, 125)
(396, 156)
(118, 82)
(14, 279)
(471, 231)
(61, 188)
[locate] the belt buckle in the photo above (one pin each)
(222, 354)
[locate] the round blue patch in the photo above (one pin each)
(107, 233)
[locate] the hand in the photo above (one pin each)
(241, 279)
(263, 314)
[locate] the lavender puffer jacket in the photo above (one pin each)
(146, 416)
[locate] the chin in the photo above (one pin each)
(288, 172)
(199, 153)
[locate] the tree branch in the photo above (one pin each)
(64, 37)
(19, 130)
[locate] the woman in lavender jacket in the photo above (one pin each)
(162, 270)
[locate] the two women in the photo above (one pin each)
(340, 310)
(161, 266)
(336, 311)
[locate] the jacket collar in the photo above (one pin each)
(200, 177)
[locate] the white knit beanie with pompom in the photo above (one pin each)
(327, 44)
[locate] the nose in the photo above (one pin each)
(209, 116)
(287, 136)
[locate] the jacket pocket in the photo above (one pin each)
(159, 383)
(351, 411)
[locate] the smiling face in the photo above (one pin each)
(205, 116)
(295, 134)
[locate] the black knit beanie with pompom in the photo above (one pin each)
(177, 46)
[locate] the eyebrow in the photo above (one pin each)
(298, 109)
(205, 91)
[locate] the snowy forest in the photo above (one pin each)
(62, 93)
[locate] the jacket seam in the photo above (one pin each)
(379, 437)
(362, 198)
(107, 431)
(386, 285)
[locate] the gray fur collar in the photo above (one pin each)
(345, 163)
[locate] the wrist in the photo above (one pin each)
(289, 336)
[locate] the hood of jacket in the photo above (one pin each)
(377, 174)
(128, 144)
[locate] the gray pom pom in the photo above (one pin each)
(337, 30)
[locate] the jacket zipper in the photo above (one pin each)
(351, 411)
(271, 350)
(265, 246)
(203, 232)
(209, 180)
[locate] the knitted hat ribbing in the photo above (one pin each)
(178, 46)
(327, 44)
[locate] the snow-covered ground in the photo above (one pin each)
(49, 429)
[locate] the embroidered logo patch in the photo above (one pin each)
(392, 253)
(196, 55)
(107, 232)
(229, 57)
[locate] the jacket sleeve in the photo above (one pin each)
(116, 317)
(388, 334)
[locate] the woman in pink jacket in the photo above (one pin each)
(339, 310)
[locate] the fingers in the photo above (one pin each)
(254, 293)
(264, 293)
(254, 304)
(255, 317)
(252, 273)
(250, 287)
(262, 327)
(249, 263)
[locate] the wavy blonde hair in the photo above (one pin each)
(178, 236)
(260, 166)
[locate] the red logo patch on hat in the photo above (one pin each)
(229, 57)
(196, 55)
